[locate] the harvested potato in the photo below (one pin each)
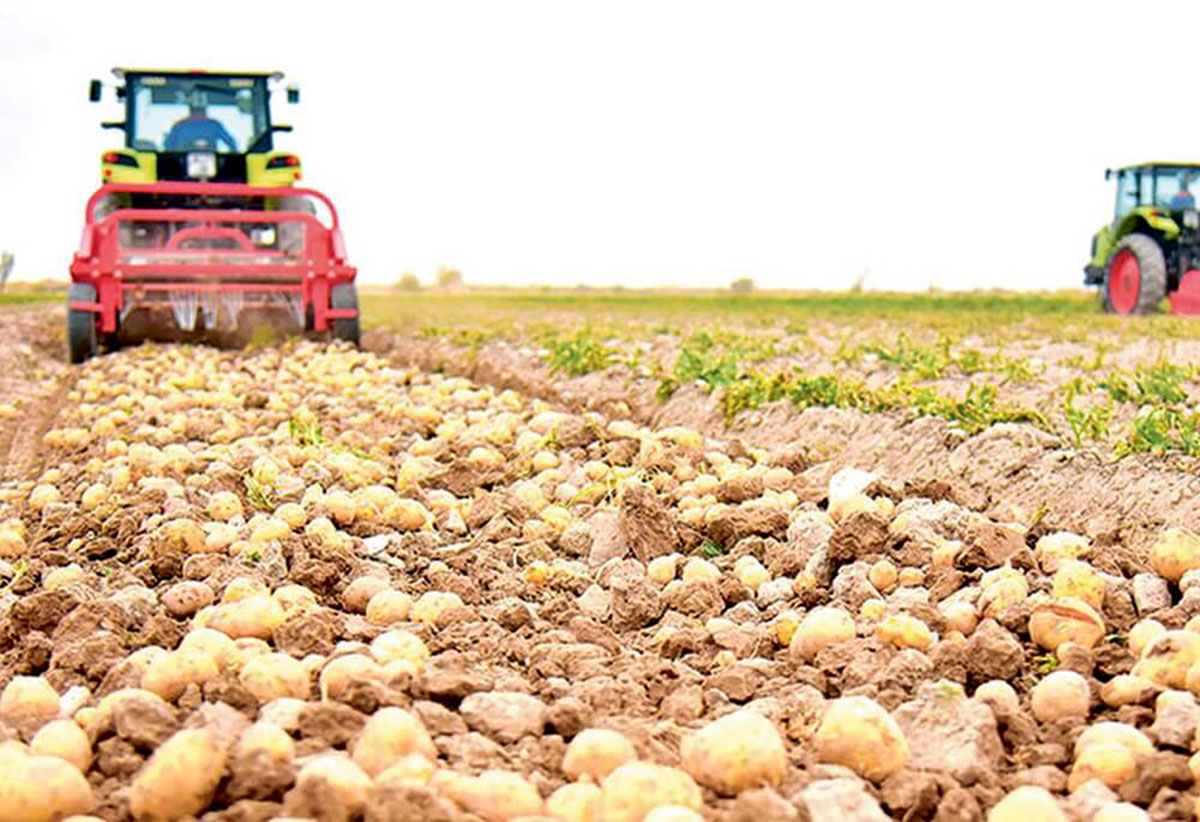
(432, 604)
(180, 778)
(576, 802)
(266, 737)
(274, 676)
(636, 788)
(340, 672)
(339, 774)
(390, 734)
(389, 606)
(64, 739)
(40, 788)
(1060, 694)
(820, 628)
(28, 697)
(739, 751)
(596, 752)
(1026, 803)
(411, 769)
(171, 673)
(255, 616)
(858, 733)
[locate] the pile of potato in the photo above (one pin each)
(513, 612)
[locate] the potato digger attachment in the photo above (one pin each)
(198, 232)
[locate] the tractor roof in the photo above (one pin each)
(1135, 166)
(120, 72)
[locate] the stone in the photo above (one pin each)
(1150, 593)
(505, 716)
(1176, 716)
(950, 733)
(605, 530)
(845, 800)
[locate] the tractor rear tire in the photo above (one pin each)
(346, 296)
(1136, 282)
(83, 342)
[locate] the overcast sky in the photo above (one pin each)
(956, 144)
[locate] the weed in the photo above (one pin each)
(579, 355)
(259, 495)
(306, 433)
(1090, 423)
(1045, 663)
(710, 548)
(1160, 429)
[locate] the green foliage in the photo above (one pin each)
(1086, 423)
(1157, 384)
(306, 434)
(259, 495)
(1160, 429)
(1046, 663)
(579, 355)
(710, 548)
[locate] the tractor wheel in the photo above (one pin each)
(1137, 276)
(345, 296)
(291, 235)
(82, 340)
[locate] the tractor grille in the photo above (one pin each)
(231, 168)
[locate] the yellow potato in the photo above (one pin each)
(596, 752)
(389, 734)
(737, 752)
(180, 778)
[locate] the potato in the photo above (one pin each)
(411, 769)
(341, 775)
(341, 671)
(395, 646)
(28, 697)
(1025, 804)
(1167, 658)
(1000, 696)
(1065, 619)
(214, 643)
(12, 543)
(959, 616)
(171, 673)
(1111, 763)
(358, 593)
(243, 588)
(273, 676)
(497, 796)
(432, 604)
(904, 631)
(737, 752)
(1143, 633)
(388, 735)
(40, 788)
(858, 733)
(575, 802)
(1080, 580)
(268, 738)
(636, 788)
(389, 606)
(180, 778)
(64, 739)
(883, 575)
(1060, 694)
(1054, 549)
(821, 627)
(294, 598)
(224, 506)
(698, 568)
(1175, 552)
(596, 752)
(751, 573)
(270, 528)
(341, 507)
(255, 616)
(1114, 733)
(661, 570)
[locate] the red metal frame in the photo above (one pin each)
(119, 274)
(1186, 298)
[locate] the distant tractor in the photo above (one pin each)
(1151, 250)
(199, 229)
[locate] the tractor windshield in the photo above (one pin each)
(197, 112)
(1166, 187)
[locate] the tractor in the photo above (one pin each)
(1151, 250)
(199, 230)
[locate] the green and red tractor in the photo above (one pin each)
(1151, 250)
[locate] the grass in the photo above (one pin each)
(28, 297)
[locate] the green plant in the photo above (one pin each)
(1162, 429)
(1045, 663)
(710, 548)
(579, 355)
(1090, 423)
(259, 495)
(306, 433)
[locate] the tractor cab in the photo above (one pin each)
(1151, 249)
(194, 126)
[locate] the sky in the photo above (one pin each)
(682, 143)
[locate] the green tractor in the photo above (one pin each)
(1152, 247)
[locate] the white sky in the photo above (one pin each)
(684, 143)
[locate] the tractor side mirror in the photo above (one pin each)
(1108, 174)
(281, 127)
(119, 125)
(293, 94)
(94, 90)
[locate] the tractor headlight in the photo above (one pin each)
(1191, 219)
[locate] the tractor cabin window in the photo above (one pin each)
(1128, 191)
(212, 113)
